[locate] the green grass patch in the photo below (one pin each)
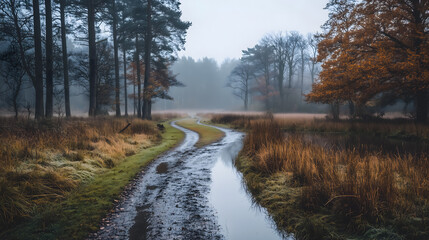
(208, 122)
(207, 134)
(82, 210)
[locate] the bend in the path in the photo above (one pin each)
(168, 202)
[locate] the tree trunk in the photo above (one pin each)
(15, 100)
(312, 72)
(150, 109)
(139, 90)
(38, 83)
(352, 109)
(65, 59)
(302, 73)
(92, 59)
(267, 97)
(335, 111)
(422, 96)
(124, 53)
(267, 87)
(49, 61)
(115, 49)
(15, 109)
(280, 80)
(147, 56)
(246, 99)
(134, 91)
(97, 99)
(422, 107)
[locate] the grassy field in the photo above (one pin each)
(322, 193)
(207, 135)
(77, 210)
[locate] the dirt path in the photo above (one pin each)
(170, 198)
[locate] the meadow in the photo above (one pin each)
(64, 163)
(317, 192)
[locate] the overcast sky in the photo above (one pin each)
(222, 28)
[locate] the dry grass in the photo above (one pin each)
(359, 191)
(371, 187)
(41, 162)
(396, 128)
(167, 115)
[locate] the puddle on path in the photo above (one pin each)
(238, 217)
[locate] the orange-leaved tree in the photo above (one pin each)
(372, 48)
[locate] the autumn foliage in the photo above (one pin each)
(372, 49)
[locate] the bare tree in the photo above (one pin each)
(312, 63)
(26, 34)
(28, 106)
(261, 56)
(302, 46)
(280, 48)
(291, 54)
(13, 78)
(239, 81)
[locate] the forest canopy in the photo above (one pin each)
(35, 41)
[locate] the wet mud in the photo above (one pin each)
(169, 200)
(177, 197)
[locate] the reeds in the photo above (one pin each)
(351, 184)
(399, 128)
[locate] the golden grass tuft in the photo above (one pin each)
(40, 162)
(349, 182)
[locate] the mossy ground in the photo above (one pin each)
(82, 210)
(207, 134)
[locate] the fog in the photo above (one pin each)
(204, 86)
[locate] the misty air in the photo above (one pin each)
(203, 119)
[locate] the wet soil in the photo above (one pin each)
(190, 193)
(169, 200)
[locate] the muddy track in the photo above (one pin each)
(169, 200)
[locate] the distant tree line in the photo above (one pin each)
(205, 80)
(374, 53)
(273, 71)
(34, 52)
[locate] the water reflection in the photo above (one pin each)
(238, 216)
